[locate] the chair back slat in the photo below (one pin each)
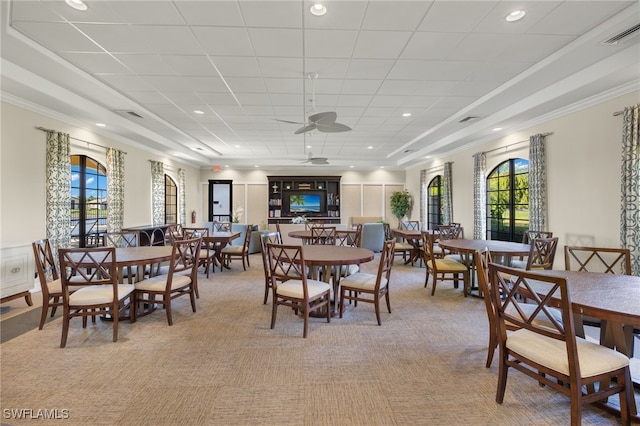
(121, 239)
(542, 253)
(597, 259)
(323, 235)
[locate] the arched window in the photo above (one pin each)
(434, 202)
(170, 201)
(508, 200)
(88, 201)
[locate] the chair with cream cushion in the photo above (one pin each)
(182, 279)
(291, 287)
(349, 239)
(100, 293)
(269, 238)
(207, 252)
(541, 255)
(121, 239)
(370, 288)
(242, 252)
(442, 269)
(49, 278)
(482, 260)
(552, 354)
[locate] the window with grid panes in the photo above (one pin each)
(88, 201)
(170, 201)
(508, 200)
(434, 202)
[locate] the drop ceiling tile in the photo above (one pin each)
(277, 42)
(286, 85)
(57, 36)
(455, 16)
(341, 15)
(95, 62)
(146, 64)
(396, 15)
(431, 45)
(224, 41)
(329, 44)
(246, 85)
(380, 44)
(211, 13)
(273, 13)
(168, 39)
(234, 66)
(281, 67)
(116, 38)
(190, 65)
(361, 87)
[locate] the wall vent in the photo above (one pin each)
(616, 39)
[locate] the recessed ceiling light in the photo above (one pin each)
(495, 129)
(77, 5)
(256, 166)
(516, 15)
(197, 111)
(318, 9)
(382, 167)
(236, 146)
(406, 114)
(369, 147)
(427, 157)
(351, 167)
(101, 125)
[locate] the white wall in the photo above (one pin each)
(583, 174)
(22, 174)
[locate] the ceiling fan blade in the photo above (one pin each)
(332, 127)
(323, 117)
(304, 129)
(290, 122)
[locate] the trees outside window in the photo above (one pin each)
(508, 200)
(88, 201)
(434, 203)
(170, 201)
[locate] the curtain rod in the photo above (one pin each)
(441, 166)
(168, 166)
(514, 143)
(76, 139)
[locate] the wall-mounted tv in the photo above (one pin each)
(304, 202)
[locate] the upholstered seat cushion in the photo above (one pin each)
(233, 250)
(400, 246)
(98, 294)
(449, 265)
(293, 288)
(159, 282)
(55, 286)
(363, 281)
(594, 359)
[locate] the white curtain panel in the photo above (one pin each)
(58, 191)
(630, 205)
(157, 192)
(115, 189)
(479, 196)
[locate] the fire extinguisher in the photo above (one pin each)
(193, 216)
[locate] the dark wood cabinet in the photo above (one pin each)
(288, 193)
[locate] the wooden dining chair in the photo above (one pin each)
(269, 238)
(99, 294)
(402, 247)
(608, 260)
(541, 255)
(207, 251)
(323, 235)
(50, 282)
(120, 239)
(182, 279)
(442, 269)
(553, 356)
(482, 259)
(370, 288)
(237, 252)
(530, 234)
(291, 287)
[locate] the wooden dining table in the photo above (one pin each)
(219, 240)
(501, 252)
(331, 259)
(614, 298)
(413, 237)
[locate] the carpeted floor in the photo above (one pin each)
(223, 365)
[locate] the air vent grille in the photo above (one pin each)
(129, 114)
(624, 34)
(468, 118)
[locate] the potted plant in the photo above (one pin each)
(401, 204)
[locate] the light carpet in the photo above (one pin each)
(223, 365)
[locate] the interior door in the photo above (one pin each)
(220, 200)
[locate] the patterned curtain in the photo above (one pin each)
(182, 204)
(447, 196)
(537, 184)
(58, 190)
(157, 192)
(630, 206)
(479, 196)
(115, 189)
(423, 197)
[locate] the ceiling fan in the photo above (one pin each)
(316, 160)
(321, 121)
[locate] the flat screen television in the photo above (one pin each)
(304, 202)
